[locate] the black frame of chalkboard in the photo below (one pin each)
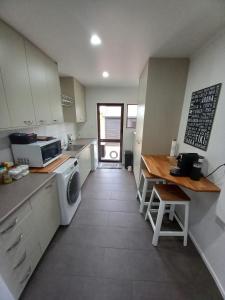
(197, 114)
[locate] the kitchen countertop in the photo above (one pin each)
(13, 195)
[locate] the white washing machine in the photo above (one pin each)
(68, 181)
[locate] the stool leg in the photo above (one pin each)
(158, 223)
(172, 209)
(139, 186)
(150, 203)
(143, 196)
(186, 223)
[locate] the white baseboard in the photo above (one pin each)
(208, 265)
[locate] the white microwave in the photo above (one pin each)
(38, 154)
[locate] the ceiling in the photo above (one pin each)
(131, 31)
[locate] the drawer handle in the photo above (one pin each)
(20, 261)
(15, 243)
(26, 276)
(49, 186)
(11, 226)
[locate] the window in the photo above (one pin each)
(131, 115)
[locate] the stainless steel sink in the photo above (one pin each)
(75, 147)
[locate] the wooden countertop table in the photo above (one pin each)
(160, 165)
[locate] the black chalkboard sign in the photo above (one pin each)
(201, 115)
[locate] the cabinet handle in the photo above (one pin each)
(15, 243)
(20, 261)
(55, 120)
(28, 122)
(11, 226)
(26, 276)
(42, 121)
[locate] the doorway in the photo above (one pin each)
(110, 131)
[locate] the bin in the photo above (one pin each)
(128, 158)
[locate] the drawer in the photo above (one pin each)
(24, 237)
(16, 279)
(27, 271)
(9, 226)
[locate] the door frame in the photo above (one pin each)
(120, 141)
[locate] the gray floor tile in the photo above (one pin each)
(72, 260)
(45, 287)
(98, 194)
(129, 195)
(90, 217)
(110, 205)
(135, 265)
(186, 267)
(83, 288)
(130, 220)
(105, 236)
(145, 290)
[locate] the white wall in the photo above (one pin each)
(207, 67)
(94, 95)
(58, 130)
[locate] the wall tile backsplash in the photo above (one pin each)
(58, 130)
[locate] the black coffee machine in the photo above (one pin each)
(185, 163)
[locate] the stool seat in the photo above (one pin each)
(171, 192)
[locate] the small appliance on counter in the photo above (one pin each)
(188, 164)
(38, 154)
(22, 138)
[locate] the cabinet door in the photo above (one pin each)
(54, 92)
(46, 211)
(4, 113)
(36, 68)
(15, 77)
(84, 161)
(79, 93)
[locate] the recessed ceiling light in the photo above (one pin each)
(105, 74)
(95, 40)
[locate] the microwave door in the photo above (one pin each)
(51, 151)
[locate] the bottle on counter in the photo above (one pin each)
(3, 170)
(7, 178)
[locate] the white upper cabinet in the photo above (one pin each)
(15, 77)
(36, 62)
(54, 92)
(79, 93)
(4, 113)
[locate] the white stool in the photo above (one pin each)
(168, 194)
(148, 182)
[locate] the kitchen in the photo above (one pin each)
(52, 92)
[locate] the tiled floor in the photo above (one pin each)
(106, 253)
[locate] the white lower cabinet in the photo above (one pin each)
(46, 213)
(24, 236)
(84, 161)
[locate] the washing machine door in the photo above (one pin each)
(73, 188)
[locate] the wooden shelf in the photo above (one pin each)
(160, 165)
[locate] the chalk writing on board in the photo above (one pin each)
(201, 115)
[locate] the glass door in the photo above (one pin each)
(110, 132)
